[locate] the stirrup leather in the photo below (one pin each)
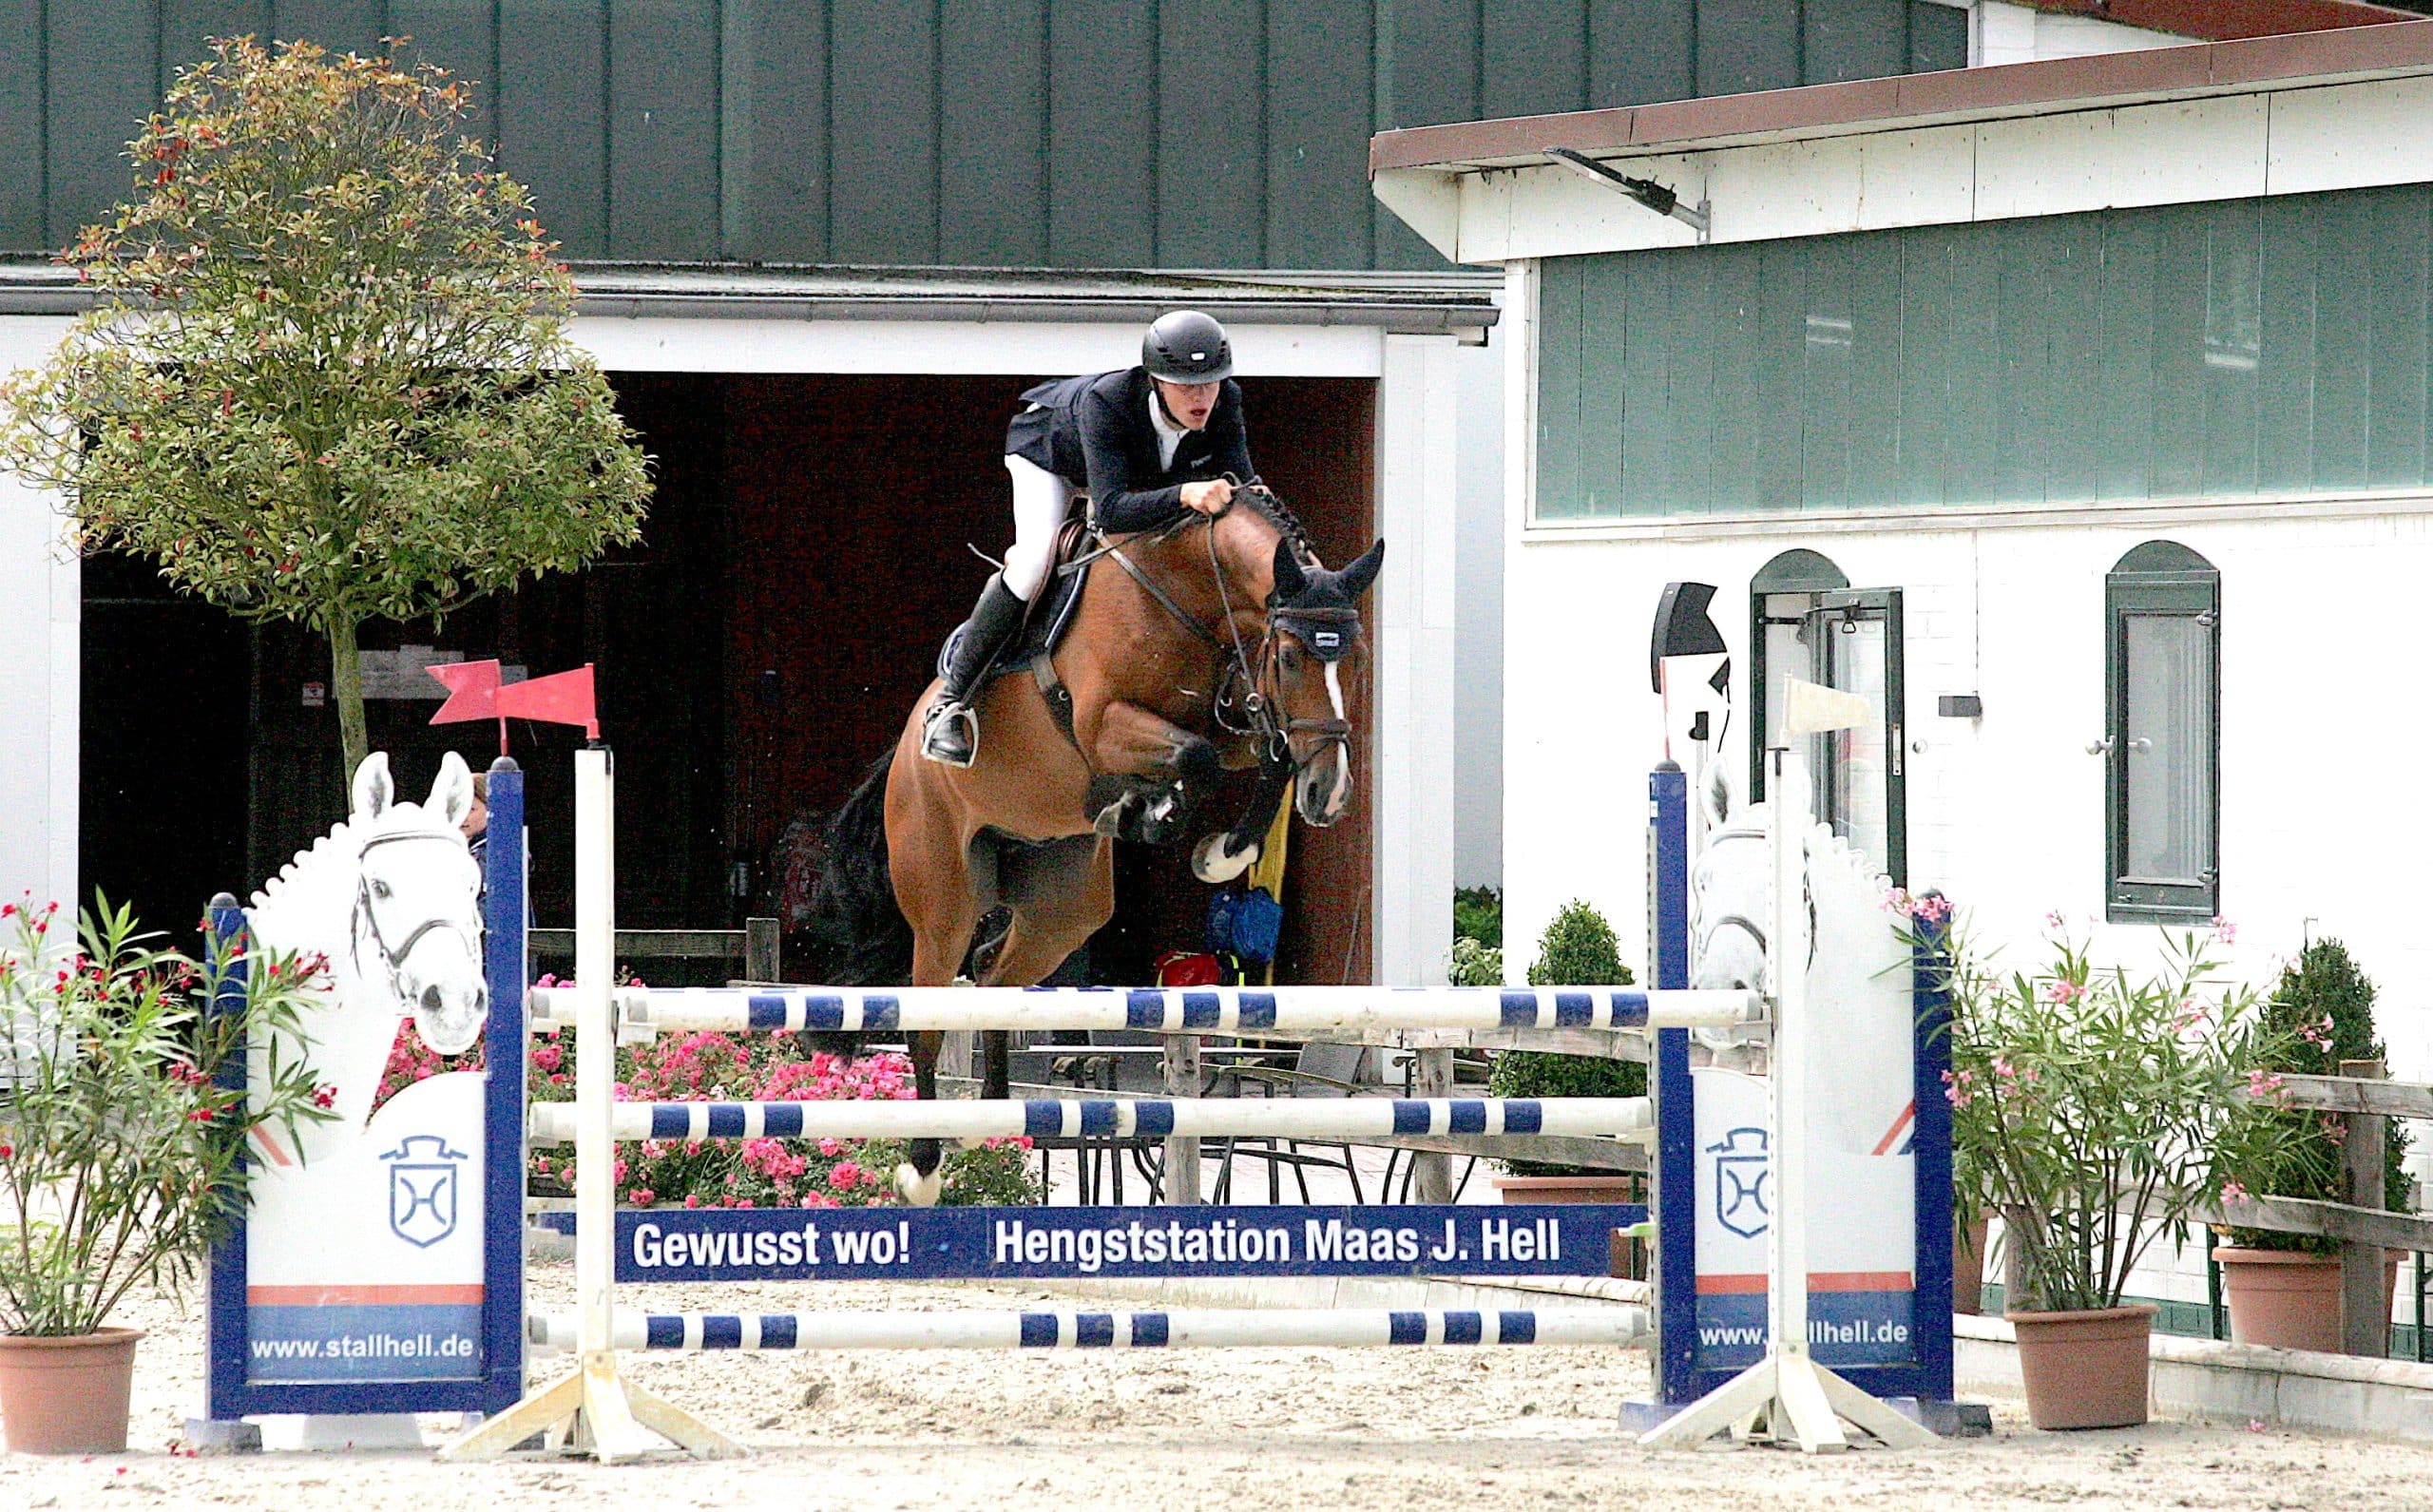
(951, 733)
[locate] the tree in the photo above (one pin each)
(327, 377)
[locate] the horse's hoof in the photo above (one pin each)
(1162, 818)
(917, 1189)
(1213, 863)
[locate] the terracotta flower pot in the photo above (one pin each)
(67, 1395)
(1968, 1267)
(2085, 1369)
(1624, 1258)
(2289, 1300)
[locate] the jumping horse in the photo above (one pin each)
(1215, 643)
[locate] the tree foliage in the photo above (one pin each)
(327, 377)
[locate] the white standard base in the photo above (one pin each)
(596, 1412)
(342, 1430)
(1786, 1398)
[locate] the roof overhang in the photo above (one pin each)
(2275, 115)
(1456, 304)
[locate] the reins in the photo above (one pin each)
(368, 919)
(1242, 663)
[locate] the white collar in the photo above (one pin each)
(1170, 433)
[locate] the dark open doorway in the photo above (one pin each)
(804, 556)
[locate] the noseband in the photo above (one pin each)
(367, 922)
(1274, 736)
(1242, 706)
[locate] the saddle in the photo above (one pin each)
(1050, 614)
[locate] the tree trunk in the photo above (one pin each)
(346, 692)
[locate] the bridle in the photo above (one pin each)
(366, 920)
(1242, 706)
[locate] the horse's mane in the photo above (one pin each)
(294, 898)
(1270, 505)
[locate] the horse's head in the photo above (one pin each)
(1314, 645)
(417, 923)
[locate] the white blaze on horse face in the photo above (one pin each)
(1342, 793)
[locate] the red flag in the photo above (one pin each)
(472, 691)
(565, 698)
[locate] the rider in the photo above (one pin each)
(1143, 443)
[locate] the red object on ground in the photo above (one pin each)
(1179, 968)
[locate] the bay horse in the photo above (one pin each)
(1214, 644)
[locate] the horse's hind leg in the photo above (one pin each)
(1062, 895)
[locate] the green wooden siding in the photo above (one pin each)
(999, 133)
(2240, 347)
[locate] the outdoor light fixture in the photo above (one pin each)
(1645, 191)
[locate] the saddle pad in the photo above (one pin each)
(1044, 626)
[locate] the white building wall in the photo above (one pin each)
(39, 671)
(2320, 724)
(1478, 612)
(2001, 34)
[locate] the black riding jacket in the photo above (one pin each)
(1095, 431)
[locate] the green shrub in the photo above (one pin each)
(1578, 950)
(1478, 914)
(2321, 1013)
(1475, 964)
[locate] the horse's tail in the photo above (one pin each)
(842, 925)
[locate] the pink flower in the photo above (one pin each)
(830, 1147)
(844, 1176)
(1931, 909)
(547, 1057)
(2262, 1083)
(2054, 920)
(2225, 931)
(642, 1196)
(1896, 900)
(2232, 1192)
(2062, 990)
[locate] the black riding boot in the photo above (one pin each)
(950, 732)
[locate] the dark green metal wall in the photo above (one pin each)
(2241, 347)
(1010, 133)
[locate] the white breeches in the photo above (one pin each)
(1041, 502)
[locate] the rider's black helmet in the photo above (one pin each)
(1184, 346)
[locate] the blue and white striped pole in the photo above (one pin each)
(1289, 1010)
(1627, 1119)
(1242, 1328)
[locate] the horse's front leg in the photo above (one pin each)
(1145, 746)
(917, 1179)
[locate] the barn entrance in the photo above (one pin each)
(854, 507)
(805, 554)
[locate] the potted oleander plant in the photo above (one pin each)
(120, 1146)
(2283, 1289)
(1577, 949)
(2094, 1107)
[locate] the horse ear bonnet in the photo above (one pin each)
(1316, 608)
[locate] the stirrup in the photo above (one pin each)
(951, 734)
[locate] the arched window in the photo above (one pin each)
(1782, 593)
(1806, 621)
(2162, 743)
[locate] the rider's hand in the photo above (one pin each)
(1212, 497)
